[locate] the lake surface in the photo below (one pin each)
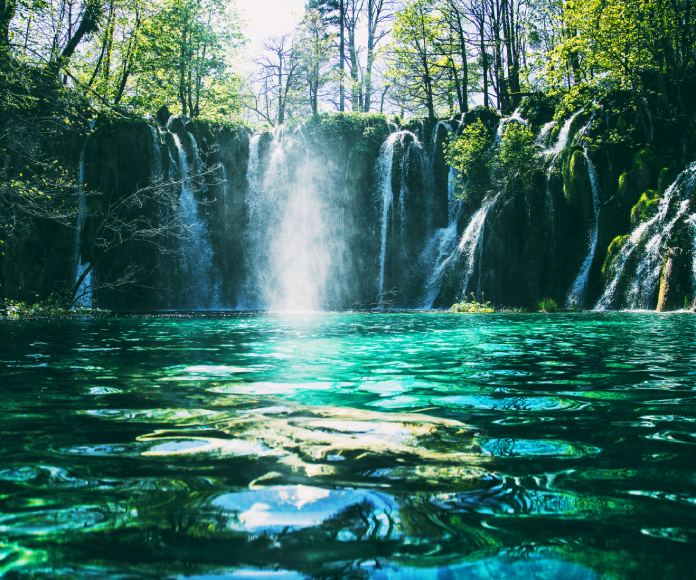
(415, 445)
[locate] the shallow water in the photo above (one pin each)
(349, 445)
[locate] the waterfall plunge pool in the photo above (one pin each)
(349, 445)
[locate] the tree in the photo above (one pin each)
(7, 12)
(277, 80)
(314, 49)
(414, 68)
(379, 14)
(185, 52)
(633, 40)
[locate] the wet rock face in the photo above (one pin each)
(530, 244)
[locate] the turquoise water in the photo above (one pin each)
(349, 445)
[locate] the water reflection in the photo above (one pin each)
(349, 445)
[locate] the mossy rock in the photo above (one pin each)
(645, 208)
(626, 190)
(665, 178)
(488, 116)
(612, 252)
(576, 184)
(538, 108)
(643, 169)
(675, 281)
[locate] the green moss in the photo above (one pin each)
(576, 183)
(665, 178)
(624, 190)
(645, 207)
(613, 250)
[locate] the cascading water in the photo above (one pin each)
(645, 246)
(385, 164)
(578, 290)
(471, 244)
(552, 154)
(290, 243)
(83, 277)
(156, 154)
(641, 290)
(543, 137)
(199, 168)
(301, 248)
(254, 234)
(516, 117)
(201, 287)
(443, 244)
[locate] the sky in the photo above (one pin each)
(266, 18)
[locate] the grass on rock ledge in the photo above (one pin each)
(50, 308)
(472, 307)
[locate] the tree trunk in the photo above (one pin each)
(7, 12)
(89, 23)
(342, 56)
(354, 77)
(371, 32)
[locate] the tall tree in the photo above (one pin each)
(314, 50)
(379, 14)
(414, 67)
(277, 81)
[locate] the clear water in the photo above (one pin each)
(349, 445)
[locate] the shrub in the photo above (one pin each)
(547, 305)
(518, 158)
(472, 307)
(470, 154)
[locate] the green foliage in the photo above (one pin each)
(547, 305)
(518, 158)
(50, 308)
(414, 68)
(579, 97)
(629, 41)
(518, 153)
(470, 154)
(184, 59)
(472, 307)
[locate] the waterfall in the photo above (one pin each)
(562, 140)
(436, 132)
(254, 234)
(156, 154)
(413, 149)
(198, 165)
(641, 290)
(84, 294)
(552, 154)
(692, 222)
(385, 164)
(202, 287)
(443, 245)
(543, 137)
(650, 237)
(290, 241)
(301, 250)
(516, 117)
(578, 290)
(471, 243)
